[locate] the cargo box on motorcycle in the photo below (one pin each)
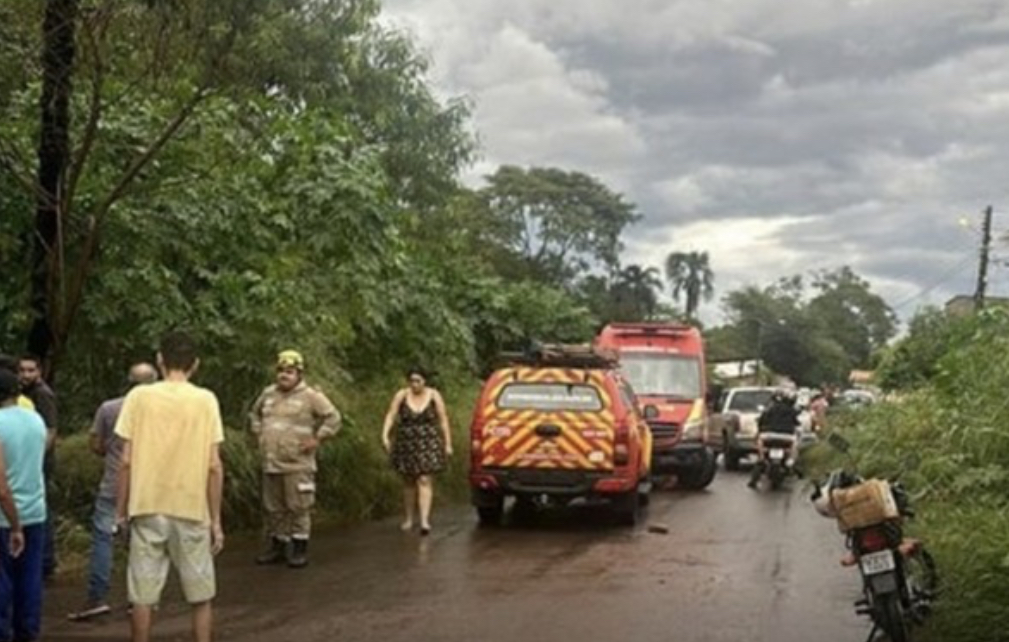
(866, 504)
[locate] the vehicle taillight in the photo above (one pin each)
(872, 540)
(621, 445)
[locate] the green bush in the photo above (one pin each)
(961, 487)
(355, 481)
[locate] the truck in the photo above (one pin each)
(665, 365)
(556, 425)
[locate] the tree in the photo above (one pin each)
(554, 224)
(691, 277)
(635, 293)
(813, 340)
(147, 73)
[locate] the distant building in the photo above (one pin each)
(963, 304)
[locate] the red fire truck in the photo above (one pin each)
(664, 363)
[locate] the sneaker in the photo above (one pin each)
(90, 611)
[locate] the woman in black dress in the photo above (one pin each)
(419, 446)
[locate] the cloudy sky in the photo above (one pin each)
(779, 135)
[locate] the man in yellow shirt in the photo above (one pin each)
(170, 484)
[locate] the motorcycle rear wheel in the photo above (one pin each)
(889, 616)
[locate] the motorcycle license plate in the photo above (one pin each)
(777, 453)
(876, 563)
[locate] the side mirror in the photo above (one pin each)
(650, 412)
(839, 443)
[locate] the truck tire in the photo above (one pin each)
(490, 515)
(489, 509)
(627, 508)
(732, 457)
(700, 477)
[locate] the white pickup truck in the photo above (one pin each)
(735, 422)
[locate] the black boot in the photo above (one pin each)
(756, 474)
(276, 554)
(299, 554)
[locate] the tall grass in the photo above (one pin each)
(355, 481)
(959, 426)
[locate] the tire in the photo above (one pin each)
(627, 508)
(922, 583)
(700, 477)
(491, 513)
(732, 457)
(889, 615)
(777, 476)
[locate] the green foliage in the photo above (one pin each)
(815, 335)
(691, 277)
(956, 424)
(551, 225)
(914, 360)
(355, 481)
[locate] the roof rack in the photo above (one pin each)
(582, 356)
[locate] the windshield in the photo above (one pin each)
(749, 400)
(550, 397)
(662, 375)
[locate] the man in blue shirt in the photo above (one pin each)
(105, 443)
(22, 525)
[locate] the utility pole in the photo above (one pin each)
(982, 271)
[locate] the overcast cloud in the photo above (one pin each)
(779, 136)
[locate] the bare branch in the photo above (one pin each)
(148, 155)
(95, 29)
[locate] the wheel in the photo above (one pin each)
(491, 512)
(700, 477)
(889, 615)
(922, 583)
(777, 476)
(732, 457)
(627, 508)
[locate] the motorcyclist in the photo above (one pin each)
(780, 419)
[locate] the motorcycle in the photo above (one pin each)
(778, 464)
(899, 578)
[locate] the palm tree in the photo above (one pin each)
(690, 275)
(636, 291)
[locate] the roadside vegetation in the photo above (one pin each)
(275, 174)
(948, 379)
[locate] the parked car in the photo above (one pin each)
(555, 425)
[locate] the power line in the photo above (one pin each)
(958, 269)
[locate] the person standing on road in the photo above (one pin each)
(23, 515)
(291, 420)
(170, 484)
(105, 444)
(44, 400)
(420, 446)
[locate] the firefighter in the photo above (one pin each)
(290, 419)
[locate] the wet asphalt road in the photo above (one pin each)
(735, 566)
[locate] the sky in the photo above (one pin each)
(779, 136)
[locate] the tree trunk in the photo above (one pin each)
(58, 35)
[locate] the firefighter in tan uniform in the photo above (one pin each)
(290, 419)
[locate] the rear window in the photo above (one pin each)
(549, 397)
(750, 400)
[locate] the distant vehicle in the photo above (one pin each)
(854, 398)
(555, 425)
(738, 412)
(664, 363)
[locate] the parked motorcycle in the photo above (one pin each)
(899, 578)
